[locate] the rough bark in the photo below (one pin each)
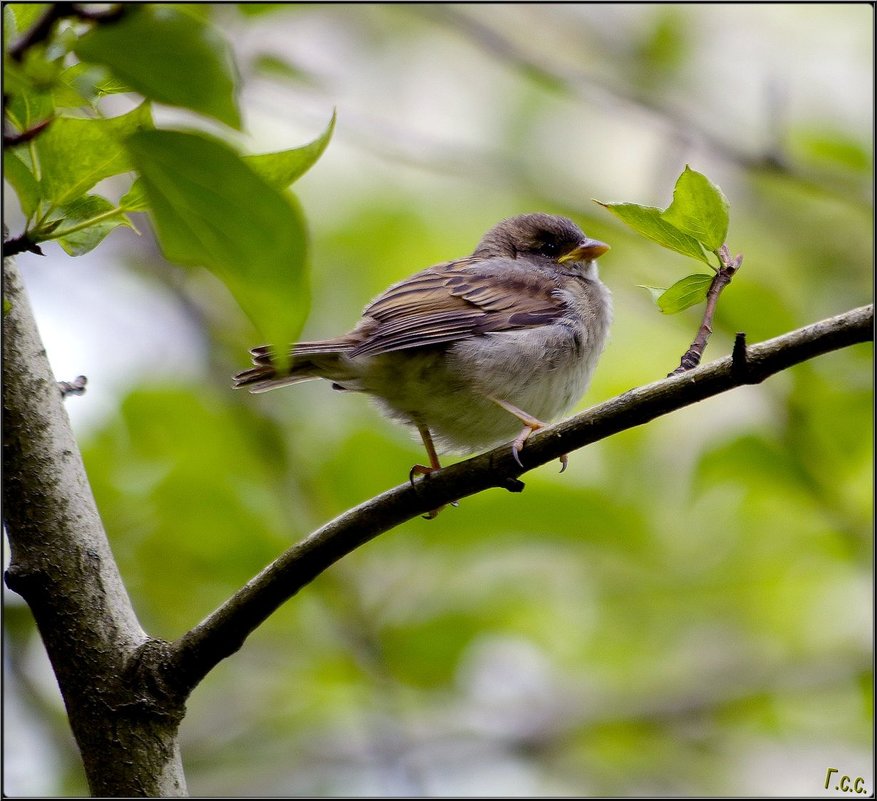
(62, 565)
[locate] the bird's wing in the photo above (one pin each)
(457, 300)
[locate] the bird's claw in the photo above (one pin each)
(423, 470)
(515, 453)
(518, 444)
(419, 470)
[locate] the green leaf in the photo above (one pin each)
(647, 220)
(75, 86)
(83, 84)
(211, 209)
(26, 106)
(287, 166)
(654, 291)
(75, 154)
(690, 290)
(170, 57)
(22, 180)
(40, 68)
(135, 198)
(26, 14)
(699, 209)
(105, 217)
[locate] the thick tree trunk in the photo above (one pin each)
(125, 726)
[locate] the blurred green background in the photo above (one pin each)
(688, 610)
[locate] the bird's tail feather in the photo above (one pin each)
(266, 375)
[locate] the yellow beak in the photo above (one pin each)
(586, 250)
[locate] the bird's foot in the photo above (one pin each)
(531, 424)
(423, 470)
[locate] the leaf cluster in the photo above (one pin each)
(694, 224)
(211, 206)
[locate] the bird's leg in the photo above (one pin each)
(531, 424)
(422, 469)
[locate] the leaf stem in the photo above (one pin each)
(98, 218)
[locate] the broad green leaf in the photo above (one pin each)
(654, 291)
(75, 87)
(75, 154)
(22, 180)
(699, 209)
(26, 14)
(211, 209)
(84, 83)
(135, 198)
(112, 86)
(9, 27)
(647, 220)
(41, 66)
(26, 106)
(102, 215)
(690, 290)
(287, 166)
(170, 57)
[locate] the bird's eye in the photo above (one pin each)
(551, 248)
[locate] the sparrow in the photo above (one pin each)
(473, 352)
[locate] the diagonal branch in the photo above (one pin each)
(223, 632)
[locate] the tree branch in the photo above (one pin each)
(42, 29)
(74, 387)
(62, 566)
(11, 140)
(20, 244)
(224, 631)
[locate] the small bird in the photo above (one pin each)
(468, 351)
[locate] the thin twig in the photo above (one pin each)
(41, 30)
(74, 387)
(691, 357)
(43, 27)
(11, 140)
(21, 244)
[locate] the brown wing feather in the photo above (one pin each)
(444, 303)
(457, 300)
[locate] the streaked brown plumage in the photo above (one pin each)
(468, 350)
